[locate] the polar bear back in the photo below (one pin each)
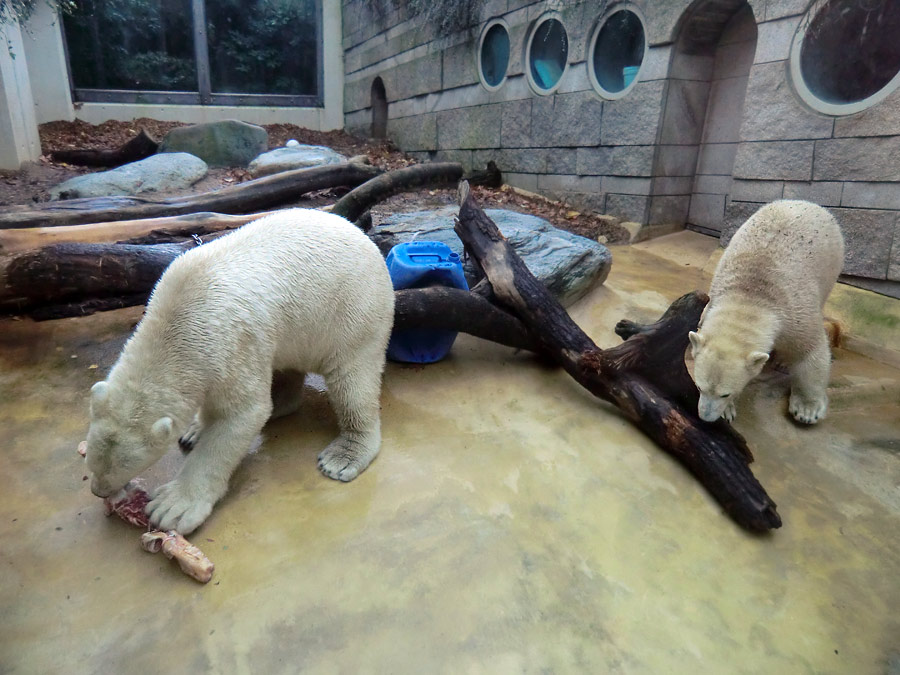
(787, 255)
(296, 289)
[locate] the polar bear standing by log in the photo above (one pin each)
(767, 293)
(229, 332)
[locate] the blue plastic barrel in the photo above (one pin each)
(419, 264)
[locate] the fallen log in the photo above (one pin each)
(255, 195)
(122, 231)
(140, 147)
(69, 280)
(354, 205)
(645, 376)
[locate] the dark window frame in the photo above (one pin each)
(204, 95)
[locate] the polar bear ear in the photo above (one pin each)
(161, 431)
(697, 341)
(756, 360)
(99, 398)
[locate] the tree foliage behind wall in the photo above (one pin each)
(254, 46)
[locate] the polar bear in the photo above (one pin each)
(767, 294)
(229, 332)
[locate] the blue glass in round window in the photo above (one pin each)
(494, 55)
(618, 51)
(548, 54)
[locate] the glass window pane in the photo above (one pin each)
(262, 46)
(495, 55)
(851, 50)
(619, 51)
(144, 45)
(548, 53)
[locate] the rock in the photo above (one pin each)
(567, 264)
(294, 156)
(226, 143)
(170, 171)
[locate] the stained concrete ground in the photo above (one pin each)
(511, 524)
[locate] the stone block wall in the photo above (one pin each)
(710, 132)
(571, 145)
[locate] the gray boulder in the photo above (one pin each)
(567, 264)
(293, 156)
(226, 143)
(171, 171)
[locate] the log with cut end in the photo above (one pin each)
(140, 147)
(129, 505)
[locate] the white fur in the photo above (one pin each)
(229, 331)
(767, 294)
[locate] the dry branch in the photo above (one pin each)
(358, 201)
(123, 231)
(140, 147)
(645, 377)
(255, 195)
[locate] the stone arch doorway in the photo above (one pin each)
(379, 109)
(708, 76)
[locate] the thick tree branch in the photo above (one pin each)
(643, 379)
(255, 195)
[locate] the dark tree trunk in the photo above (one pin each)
(645, 377)
(354, 205)
(139, 147)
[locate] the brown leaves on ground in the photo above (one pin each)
(32, 183)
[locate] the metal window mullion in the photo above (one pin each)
(201, 51)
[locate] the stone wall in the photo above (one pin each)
(711, 130)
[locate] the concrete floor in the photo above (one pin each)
(511, 524)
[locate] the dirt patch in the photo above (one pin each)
(32, 183)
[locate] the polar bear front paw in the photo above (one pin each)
(345, 458)
(189, 438)
(808, 412)
(730, 412)
(171, 509)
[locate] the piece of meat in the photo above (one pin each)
(190, 559)
(129, 504)
(82, 448)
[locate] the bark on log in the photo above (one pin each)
(122, 231)
(255, 195)
(68, 280)
(140, 147)
(358, 201)
(645, 377)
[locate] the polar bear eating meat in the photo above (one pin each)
(229, 332)
(767, 294)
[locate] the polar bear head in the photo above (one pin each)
(722, 368)
(120, 444)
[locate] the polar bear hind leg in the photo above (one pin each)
(809, 383)
(229, 430)
(354, 391)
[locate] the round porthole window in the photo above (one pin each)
(493, 54)
(617, 50)
(845, 55)
(548, 55)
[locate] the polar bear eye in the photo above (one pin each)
(725, 395)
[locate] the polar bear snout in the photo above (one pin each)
(101, 488)
(711, 408)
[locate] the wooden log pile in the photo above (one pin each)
(645, 377)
